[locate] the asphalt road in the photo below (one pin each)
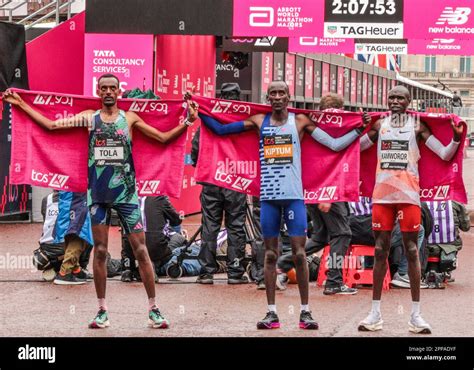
(31, 307)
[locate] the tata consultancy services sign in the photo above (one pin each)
(129, 57)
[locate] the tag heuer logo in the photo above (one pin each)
(332, 29)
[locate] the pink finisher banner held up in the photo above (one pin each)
(58, 159)
(439, 180)
(232, 161)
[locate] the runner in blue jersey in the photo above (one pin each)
(281, 192)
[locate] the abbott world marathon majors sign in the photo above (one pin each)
(129, 57)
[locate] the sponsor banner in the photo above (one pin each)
(364, 88)
(290, 61)
(267, 72)
(315, 44)
(252, 44)
(325, 79)
(440, 46)
(299, 77)
(309, 79)
(58, 159)
(440, 19)
(447, 184)
(378, 48)
(106, 53)
(317, 84)
(353, 86)
(375, 84)
(277, 18)
(340, 80)
(380, 19)
(279, 66)
(233, 161)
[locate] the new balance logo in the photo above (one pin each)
(442, 193)
(441, 207)
(150, 187)
(443, 41)
(452, 16)
(327, 193)
(261, 16)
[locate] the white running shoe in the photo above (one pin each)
(418, 326)
(372, 322)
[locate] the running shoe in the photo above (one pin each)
(418, 326)
(156, 320)
(373, 322)
(68, 279)
(339, 289)
(101, 320)
(307, 321)
(270, 321)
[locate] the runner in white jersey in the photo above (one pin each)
(396, 195)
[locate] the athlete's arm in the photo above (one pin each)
(229, 128)
(82, 119)
(162, 137)
(367, 140)
(335, 144)
(447, 152)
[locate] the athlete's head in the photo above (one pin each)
(398, 99)
(331, 100)
(278, 95)
(108, 89)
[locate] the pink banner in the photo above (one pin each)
(325, 79)
(233, 161)
(290, 72)
(438, 19)
(58, 159)
(277, 18)
(375, 91)
(441, 46)
(340, 80)
(111, 53)
(365, 87)
(308, 78)
(267, 71)
(439, 180)
(320, 45)
(353, 86)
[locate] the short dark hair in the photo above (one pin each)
(108, 75)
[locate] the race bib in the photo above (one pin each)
(278, 149)
(394, 155)
(108, 152)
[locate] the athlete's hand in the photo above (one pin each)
(457, 131)
(12, 97)
(324, 207)
(193, 108)
(189, 94)
(366, 119)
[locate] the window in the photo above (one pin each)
(464, 93)
(465, 65)
(430, 64)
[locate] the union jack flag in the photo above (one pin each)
(387, 61)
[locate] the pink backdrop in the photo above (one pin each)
(56, 58)
(181, 63)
